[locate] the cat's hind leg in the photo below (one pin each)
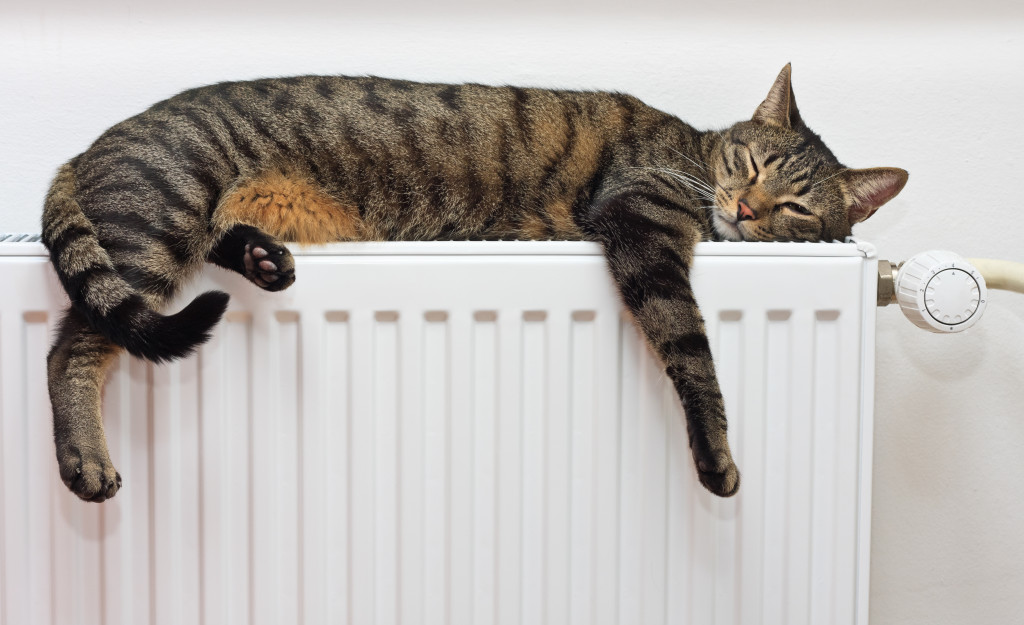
(258, 256)
(76, 368)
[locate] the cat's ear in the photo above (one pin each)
(779, 108)
(867, 189)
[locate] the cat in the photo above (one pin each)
(228, 172)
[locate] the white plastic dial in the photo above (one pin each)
(940, 291)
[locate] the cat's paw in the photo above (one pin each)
(269, 266)
(719, 475)
(88, 473)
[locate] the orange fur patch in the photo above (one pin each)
(561, 216)
(290, 208)
(533, 228)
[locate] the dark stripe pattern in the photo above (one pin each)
(135, 216)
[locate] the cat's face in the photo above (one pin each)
(774, 180)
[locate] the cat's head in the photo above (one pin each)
(774, 179)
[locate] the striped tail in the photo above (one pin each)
(112, 307)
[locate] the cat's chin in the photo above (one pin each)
(726, 229)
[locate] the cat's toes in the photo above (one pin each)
(270, 267)
(719, 476)
(88, 474)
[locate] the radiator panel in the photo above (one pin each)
(454, 433)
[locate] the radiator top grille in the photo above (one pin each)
(18, 238)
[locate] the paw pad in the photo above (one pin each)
(272, 275)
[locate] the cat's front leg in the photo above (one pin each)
(649, 242)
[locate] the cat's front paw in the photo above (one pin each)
(88, 473)
(269, 266)
(719, 475)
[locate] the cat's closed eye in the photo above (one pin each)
(795, 208)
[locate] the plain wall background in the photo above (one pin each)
(933, 87)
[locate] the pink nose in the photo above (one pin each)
(745, 211)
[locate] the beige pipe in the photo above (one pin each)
(1000, 274)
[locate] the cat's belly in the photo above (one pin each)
(292, 208)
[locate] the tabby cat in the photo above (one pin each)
(226, 173)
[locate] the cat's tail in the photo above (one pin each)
(110, 304)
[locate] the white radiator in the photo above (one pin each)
(454, 433)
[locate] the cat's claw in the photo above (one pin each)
(272, 275)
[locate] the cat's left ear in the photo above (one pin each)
(779, 108)
(867, 189)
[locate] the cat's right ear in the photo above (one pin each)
(867, 189)
(779, 108)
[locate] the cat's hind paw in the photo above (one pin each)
(269, 266)
(89, 474)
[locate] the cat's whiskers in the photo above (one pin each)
(676, 172)
(691, 180)
(704, 183)
(700, 166)
(704, 192)
(698, 191)
(695, 185)
(701, 195)
(826, 179)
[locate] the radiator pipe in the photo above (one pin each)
(887, 282)
(1000, 274)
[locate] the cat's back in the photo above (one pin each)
(421, 160)
(280, 115)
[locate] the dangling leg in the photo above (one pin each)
(77, 366)
(258, 256)
(649, 246)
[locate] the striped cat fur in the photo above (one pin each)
(227, 173)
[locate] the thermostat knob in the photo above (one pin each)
(940, 291)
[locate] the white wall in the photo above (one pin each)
(926, 87)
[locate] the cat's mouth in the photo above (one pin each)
(726, 228)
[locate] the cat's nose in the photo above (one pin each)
(744, 212)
